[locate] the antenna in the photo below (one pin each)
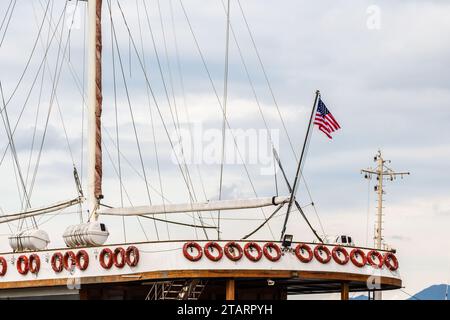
(382, 172)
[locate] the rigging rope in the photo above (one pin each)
(225, 100)
(221, 107)
(266, 77)
(155, 148)
(131, 114)
(156, 102)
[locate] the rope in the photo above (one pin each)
(225, 100)
(155, 148)
(221, 107)
(276, 104)
(131, 114)
(117, 131)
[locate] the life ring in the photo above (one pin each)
(191, 245)
(57, 262)
(119, 252)
(34, 263)
(319, 257)
(22, 264)
(391, 262)
(82, 260)
(232, 247)
(337, 252)
(4, 266)
(208, 253)
(301, 247)
(132, 256)
(268, 248)
(106, 264)
(373, 253)
(353, 256)
(248, 248)
(69, 255)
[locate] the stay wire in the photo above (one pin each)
(131, 113)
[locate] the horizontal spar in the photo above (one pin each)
(195, 207)
(42, 210)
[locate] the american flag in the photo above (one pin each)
(325, 120)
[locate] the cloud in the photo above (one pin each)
(387, 87)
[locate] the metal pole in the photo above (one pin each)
(300, 164)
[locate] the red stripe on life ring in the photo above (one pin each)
(301, 247)
(34, 263)
(268, 248)
(391, 262)
(69, 255)
(339, 251)
(192, 245)
(249, 248)
(317, 253)
(119, 257)
(106, 264)
(22, 264)
(214, 246)
(57, 262)
(4, 266)
(132, 256)
(375, 254)
(82, 260)
(231, 248)
(353, 256)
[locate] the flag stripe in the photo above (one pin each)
(321, 128)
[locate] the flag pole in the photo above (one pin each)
(300, 164)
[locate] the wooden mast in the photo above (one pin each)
(95, 107)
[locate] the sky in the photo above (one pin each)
(382, 70)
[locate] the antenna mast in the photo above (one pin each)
(381, 172)
(94, 107)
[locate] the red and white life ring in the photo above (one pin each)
(391, 262)
(267, 250)
(4, 266)
(192, 245)
(106, 253)
(340, 255)
(214, 246)
(82, 260)
(57, 262)
(233, 251)
(119, 257)
(375, 254)
(132, 256)
(354, 257)
(22, 264)
(317, 253)
(69, 256)
(34, 263)
(249, 248)
(302, 247)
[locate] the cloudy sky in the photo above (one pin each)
(381, 66)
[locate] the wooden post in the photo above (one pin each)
(345, 290)
(230, 289)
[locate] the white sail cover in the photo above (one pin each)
(194, 207)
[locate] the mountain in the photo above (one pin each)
(434, 292)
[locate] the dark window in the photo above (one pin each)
(344, 239)
(349, 239)
(102, 227)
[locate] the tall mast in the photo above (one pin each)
(381, 172)
(94, 107)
